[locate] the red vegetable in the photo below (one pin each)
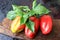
(32, 18)
(28, 32)
(46, 24)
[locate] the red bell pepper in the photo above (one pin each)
(28, 32)
(46, 24)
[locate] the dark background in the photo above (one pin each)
(5, 6)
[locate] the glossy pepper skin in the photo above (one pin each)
(28, 32)
(15, 25)
(46, 24)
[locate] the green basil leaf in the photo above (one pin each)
(40, 9)
(34, 4)
(11, 15)
(24, 8)
(26, 16)
(30, 25)
(24, 19)
(18, 12)
(17, 9)
(31, 13)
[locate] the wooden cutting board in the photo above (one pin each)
(54, 35)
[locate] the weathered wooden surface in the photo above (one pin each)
(54, 35)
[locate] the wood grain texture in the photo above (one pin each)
(54, 35)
